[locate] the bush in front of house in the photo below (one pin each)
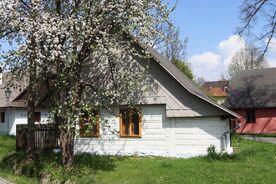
(212, 154)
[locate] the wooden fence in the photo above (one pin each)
(46, 137)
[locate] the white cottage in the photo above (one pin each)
(176, 120)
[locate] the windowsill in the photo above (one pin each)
(131, 136)
(89, 137)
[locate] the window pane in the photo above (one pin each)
(126, 122)
(250, 117)
(135, 120)
(253, 116)
(247, 116)
(37, 116)
(94, 122)
(89, 124)
(2, 117)
(130, 122)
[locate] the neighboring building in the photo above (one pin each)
(7, 114)
(173, 119)
(252, 94)
(13, 111)
(217, 90)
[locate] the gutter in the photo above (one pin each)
(224, 135)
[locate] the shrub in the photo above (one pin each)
(212, 154)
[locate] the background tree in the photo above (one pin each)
(82, 50)
(184, 67)
(223, 77)
(199, 81)
(247, 58)
(263, 14)
(174, 48)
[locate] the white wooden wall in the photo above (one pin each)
(19, 116)
(161, 136)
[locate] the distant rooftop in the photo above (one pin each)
(16, 88)
(253, 89)
(216, 88)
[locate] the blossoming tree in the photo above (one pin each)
(80, 48)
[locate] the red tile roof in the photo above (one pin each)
(217, 92)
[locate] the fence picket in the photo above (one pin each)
(46, 137)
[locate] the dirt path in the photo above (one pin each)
(261, 139)
(3, 181)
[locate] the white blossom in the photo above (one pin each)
(86, 39)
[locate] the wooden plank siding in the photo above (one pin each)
(161, 136)
(265, 122)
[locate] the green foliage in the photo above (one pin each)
(250, 159)
(47, 166)
(184, 67)
(21, 165)
(7, 148)
(212, 154)
(247, 58)
(262, 135)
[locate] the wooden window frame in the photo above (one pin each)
(3, 119)
(252, 116)
(131, 135)
(84, 134)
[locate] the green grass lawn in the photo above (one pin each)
(7, 147)
(255, 163)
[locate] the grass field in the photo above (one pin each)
(255, 163)
(7, 147)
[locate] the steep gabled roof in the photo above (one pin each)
(189, 85)
(16, 89)
(253, 89)
(177, 75)
(3, 99)
(42, 100)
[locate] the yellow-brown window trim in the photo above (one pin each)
(84, 133)
(131, 126)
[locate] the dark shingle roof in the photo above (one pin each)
(16, 89)
(253, 89)
(3, 99)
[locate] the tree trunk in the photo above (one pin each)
(31, 126)
(31, 106)
(66, 137)
(66, 133)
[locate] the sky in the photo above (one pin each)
(210, 27)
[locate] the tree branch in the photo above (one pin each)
(252, 14)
